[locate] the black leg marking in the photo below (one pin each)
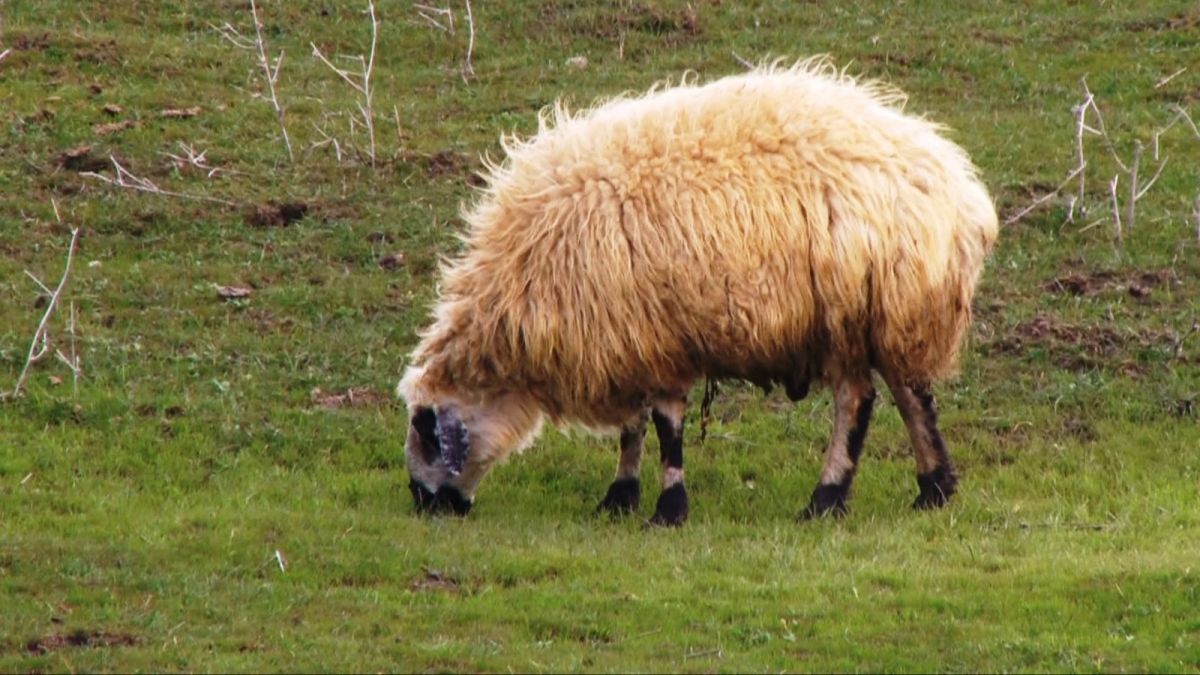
(829, 499)
(931, 425)
(858, 432)
(670, 441)
(938, 485)
(936, 488)
(446, 500)
(672, 507)
(624, 496)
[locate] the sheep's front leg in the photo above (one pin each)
(854, 399)
(625, 493)
(935, 473)
(672, 507)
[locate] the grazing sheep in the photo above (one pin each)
(786, 225)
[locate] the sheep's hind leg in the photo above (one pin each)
(625, 493)
(672, 507)
(935, 473)
(854, 398)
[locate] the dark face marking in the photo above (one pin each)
(672, 507)
(453, 439)
(624, 496)
(425, 422)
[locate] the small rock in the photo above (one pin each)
(180, 113)
(578, 62)
(113, 109)
(233, 292)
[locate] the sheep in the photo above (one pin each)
(784, 226)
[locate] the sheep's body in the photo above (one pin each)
(782, 225)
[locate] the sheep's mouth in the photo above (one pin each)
(447, 499)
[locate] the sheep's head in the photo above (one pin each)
(453, 443)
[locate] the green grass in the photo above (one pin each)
(140, 518)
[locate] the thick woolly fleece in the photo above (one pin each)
(787, 224)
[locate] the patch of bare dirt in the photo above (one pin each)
(1080, 348)
(81, 158)
(392, 261)
(1182, 21)
(672, 26)
(275, 214)
(80, 638)
(1138, 285)
(433, 580)
(37, 43)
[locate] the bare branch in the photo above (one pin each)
(1168, 78)
(360, 82)
(427, 13)
(1116, 209)
(42, 333)
(1131, 207)
(468, 67)
(742, 62)
(4, 54)
(1103, 132)
(272, 75)
(1046, 197)
(125, 179)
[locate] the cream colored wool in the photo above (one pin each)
(790, 222)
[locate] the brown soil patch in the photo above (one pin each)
(433, 580)
(275, 214)
(392, 261)
(81, 158)
(1080, 348)
(673, 27)
(80, 638)
(1184, 21)
(1137, 284)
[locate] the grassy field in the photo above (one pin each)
(146, 517)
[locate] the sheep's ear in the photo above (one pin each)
(453, 439)
(425, 422)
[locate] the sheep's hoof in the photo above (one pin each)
(672, 508)
(624, 496)
(446, 500)
(936, 488)
(827, 500)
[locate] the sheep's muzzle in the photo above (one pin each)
(446, 500)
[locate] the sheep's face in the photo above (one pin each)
(452, 446)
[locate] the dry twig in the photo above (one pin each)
(39, 346)
(361, 81)
(469, 68)
(429, 14)
(259, 44)
(124, 179)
